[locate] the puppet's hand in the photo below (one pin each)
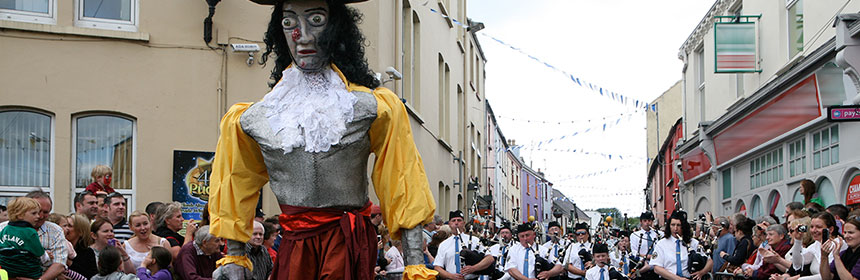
(231, 271)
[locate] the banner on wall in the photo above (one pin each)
(853, 196)
(191, 171)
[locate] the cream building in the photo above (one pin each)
(750, 138)
(128, 82)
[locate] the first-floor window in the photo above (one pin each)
(25, 152)
(36, 11)
(104, 140)
(118, 15)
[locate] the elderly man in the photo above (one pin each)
(726, 242)
(87, 204)
(259, 254)
(196, 260)
(50, 235)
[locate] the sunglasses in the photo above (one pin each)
(581, 233)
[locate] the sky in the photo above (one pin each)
(625, 46)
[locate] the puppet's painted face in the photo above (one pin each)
(304, 21)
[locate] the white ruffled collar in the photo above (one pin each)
(309, 109)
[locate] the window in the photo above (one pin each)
(411, 36)
(795, 27)
(25, 150)
(107, 14)
(700, 81)
(756, 207)
(36, 11)
(766, 169)
(797, 157)
(108, 140)
(727, 183)
(444, 99)
(825, 147)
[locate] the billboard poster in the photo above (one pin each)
(853, 196)
(735, 47)
(191, 171)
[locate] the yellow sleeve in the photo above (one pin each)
(238, 175)
(398, 174)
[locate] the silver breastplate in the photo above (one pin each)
(333, 179)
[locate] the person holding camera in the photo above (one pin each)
(805, 262)
(672, 254)
(578, 257)
(844, 265)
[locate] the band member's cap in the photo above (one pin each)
(505, 225)
(456, 214)
(525, 227)
(646, 216)
(553, 224)
(600, 248)
(580, 226)
(272, 2)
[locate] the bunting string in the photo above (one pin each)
(580, 151)
(617, 97)
(595, 173)
(565, 122)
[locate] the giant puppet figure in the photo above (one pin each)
(310, 138)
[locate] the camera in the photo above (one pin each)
(802, 228)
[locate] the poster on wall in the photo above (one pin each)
(853, 196)
(191, 171)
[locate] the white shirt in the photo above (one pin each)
(517, 259)
(554, 251)
(445, 256)
(396, 264)
(593, 273)
(572, 257)
(615, 258)
(500, 252)
(810, 255)
(665, 255)
(639, 240)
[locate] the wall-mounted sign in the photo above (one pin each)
(843, 113)
(735, 44)
(853, 196)
(191, 171)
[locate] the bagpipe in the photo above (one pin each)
(471, 256)
(542, 264)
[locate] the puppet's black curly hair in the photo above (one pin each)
(341, 39)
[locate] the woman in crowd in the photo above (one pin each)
(809, 192)
(777, 245)
(109, 265)
(155, 265)
(677, 241)
(139, 245)
(440, 236)
(63, 222)
(744, 247)
(168, 221)
(81, 239)
(270, 233)
(102, 233)
(844, 265)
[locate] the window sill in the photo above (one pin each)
(445, 145)
(73, 30)
(412, 112)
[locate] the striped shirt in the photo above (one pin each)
(53, 239)
(121, 231)
(261, 260)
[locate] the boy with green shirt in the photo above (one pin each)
(21, 252)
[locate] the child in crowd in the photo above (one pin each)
(21, 253)
(109, 264)
(157, 263)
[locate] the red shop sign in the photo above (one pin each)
(853, 196)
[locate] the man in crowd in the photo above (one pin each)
(103, 207)
(448, 262)
(87, 204)
(116, 216)
(151, 209)
(429, 229)
(50, 235)
(375, 215)
(790, 207)
(725, 243)
(642, 241)
(522, 259)
(259, 254)
(196, 260)
(556, 243)
(500, 250)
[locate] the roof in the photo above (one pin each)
(566, 204)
